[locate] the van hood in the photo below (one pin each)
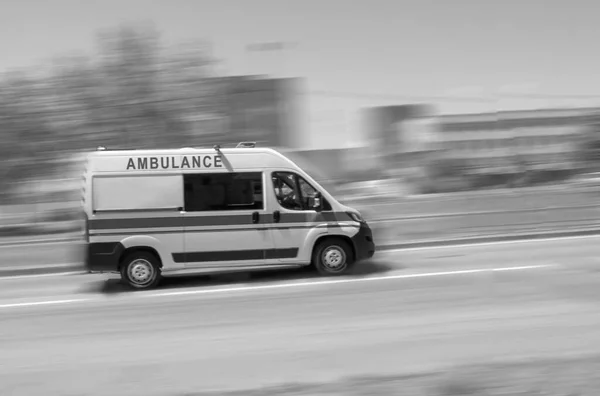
(346, 208)
(365, 211)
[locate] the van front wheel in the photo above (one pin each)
(141, 270)
(333, 257)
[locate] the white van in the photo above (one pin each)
(155, 213)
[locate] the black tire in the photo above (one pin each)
(333, 257)
(141, 270)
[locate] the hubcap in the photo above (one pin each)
(141, 271)
(334, 258)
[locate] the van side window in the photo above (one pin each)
(293, 192)
(223, 191)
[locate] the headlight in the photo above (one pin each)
(356, 217)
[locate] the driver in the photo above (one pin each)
(287, 200)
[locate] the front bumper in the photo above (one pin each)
(364, 246)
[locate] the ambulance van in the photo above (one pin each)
(158, 213)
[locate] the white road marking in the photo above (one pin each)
(36, 303)
(288, 285)
(521, 268)
(341, 281)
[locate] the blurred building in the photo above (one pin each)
(538, 139)
(264, 110)
(400, 137)
(546, 139)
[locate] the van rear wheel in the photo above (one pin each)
(141, 270)
(333, 257)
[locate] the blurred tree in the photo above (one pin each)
(156, 93)
(25, 134)
(134, 93)
(128, 67)
(192, 94)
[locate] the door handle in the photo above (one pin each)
(276, 216)
(255, 217)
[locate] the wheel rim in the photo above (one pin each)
(334, 259)
(141, 272)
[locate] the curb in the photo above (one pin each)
(64, 269)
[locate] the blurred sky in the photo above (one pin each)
(376, 47)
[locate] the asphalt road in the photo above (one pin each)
(404, 312)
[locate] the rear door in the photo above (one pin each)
(225, 220)
(139, 210)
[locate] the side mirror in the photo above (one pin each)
(316, 203)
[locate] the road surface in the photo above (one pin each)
(409, 311)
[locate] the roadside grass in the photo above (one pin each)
(551, 377)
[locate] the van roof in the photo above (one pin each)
(182, 151)
(187, 159)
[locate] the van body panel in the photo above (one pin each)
(237, 242)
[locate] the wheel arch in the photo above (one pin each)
(135, 249)
(324, 238)
(141, 243)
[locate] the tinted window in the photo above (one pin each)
(286, 191)
(293, 192)
(223, 191)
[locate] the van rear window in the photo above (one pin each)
(137, 193)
